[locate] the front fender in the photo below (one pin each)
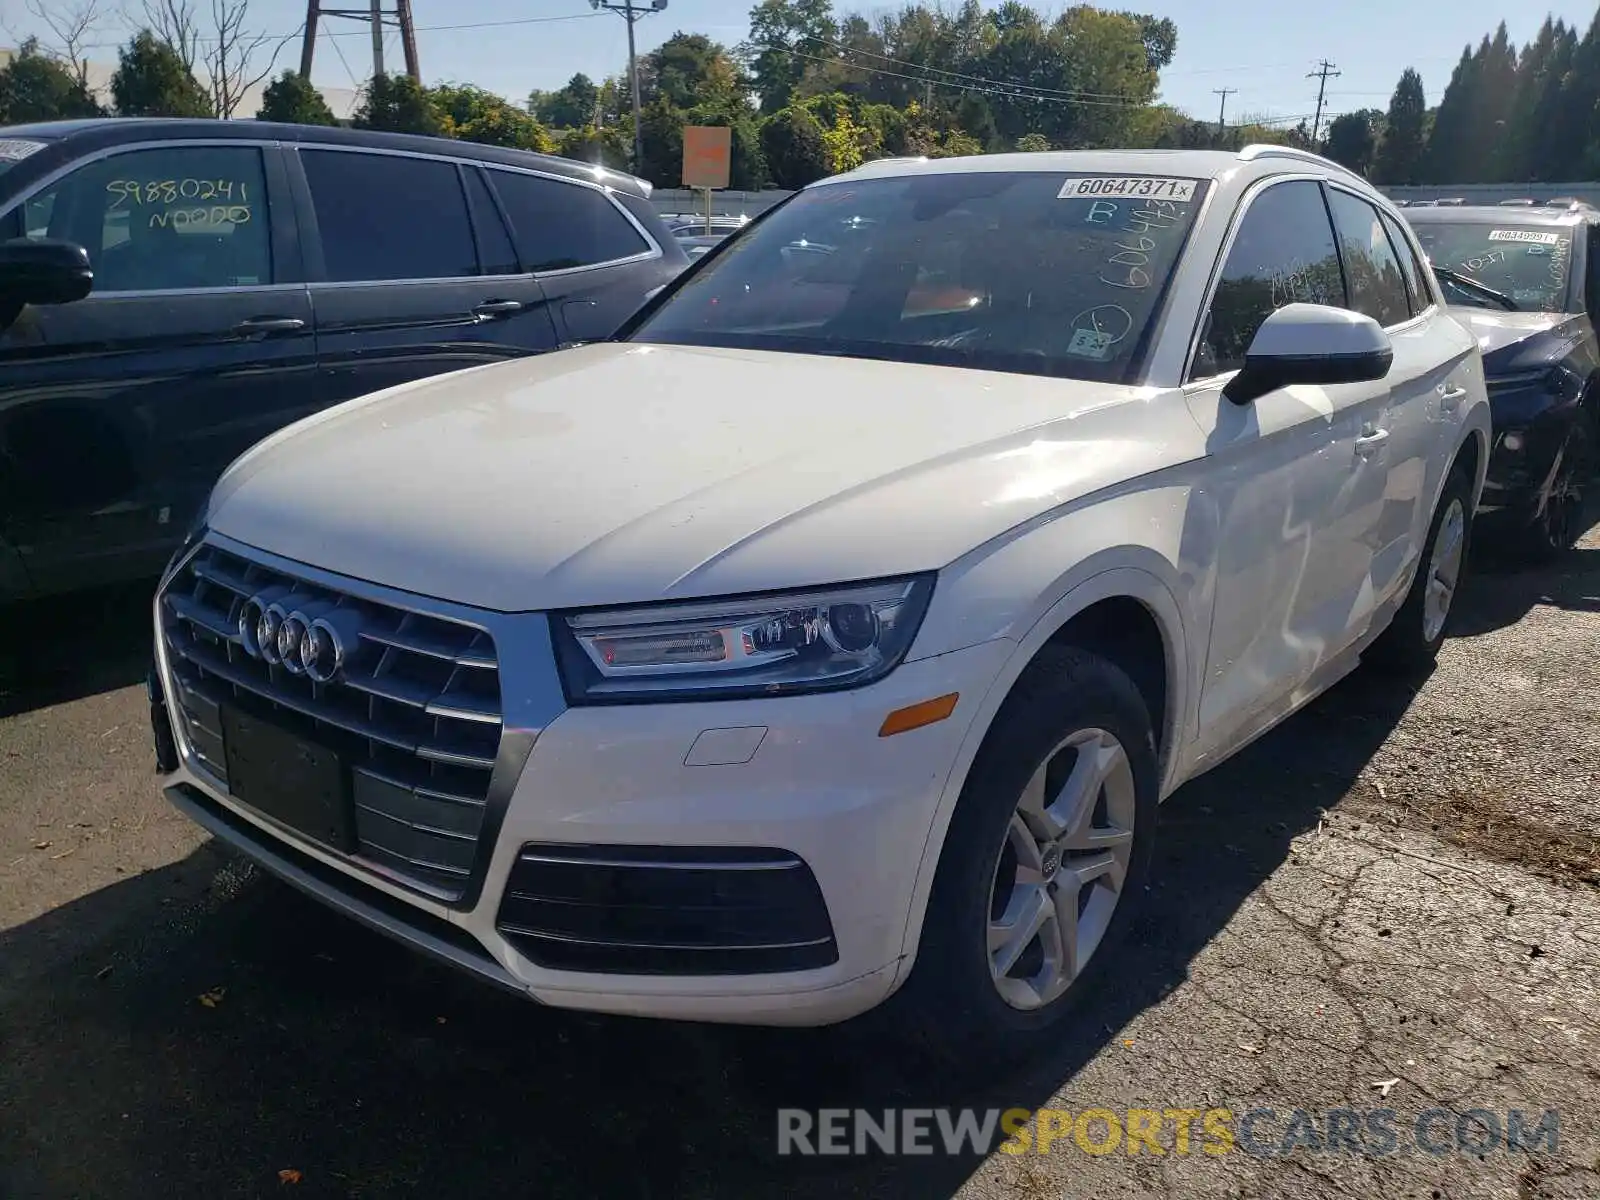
(1103, 582)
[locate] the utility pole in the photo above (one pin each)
(1325, 71)
(1222, 112)
(375, 13)
(630, 12)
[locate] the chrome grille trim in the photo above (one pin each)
(417, 718)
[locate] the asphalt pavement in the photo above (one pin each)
(1393, 900)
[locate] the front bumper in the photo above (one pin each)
(818, 786)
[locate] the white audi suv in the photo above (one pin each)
(835, 630)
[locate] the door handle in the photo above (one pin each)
(1368, 442)
(490, 309)
(262, 325)
(1450, 399)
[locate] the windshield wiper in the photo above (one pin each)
(1468, 284)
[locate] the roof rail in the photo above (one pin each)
(1271, 150)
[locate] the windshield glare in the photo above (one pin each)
(990, 270)
(1527, 263)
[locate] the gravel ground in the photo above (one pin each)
(1391, 902)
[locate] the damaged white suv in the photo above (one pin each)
(836, 629)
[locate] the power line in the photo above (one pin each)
(1325, 70)
(588, 16)
(1069, 92)
(1009, 91)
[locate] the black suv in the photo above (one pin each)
(1526, 280)
(247, 274)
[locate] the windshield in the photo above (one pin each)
(14, 150)
(1529, 264)
(1030, 272)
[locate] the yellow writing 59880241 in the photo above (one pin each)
(127, 193)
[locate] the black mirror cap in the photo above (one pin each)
(44, 271)
(1264, 374)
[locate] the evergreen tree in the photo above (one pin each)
(1399, 158)
(1451, 147)
(399, 104)
(35, 87)
(1353, 140)
(1546, 161)
(1491, 130)
(151, 81)
(292, 98)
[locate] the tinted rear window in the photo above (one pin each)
(1032, 272)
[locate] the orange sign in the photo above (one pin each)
(707, 153)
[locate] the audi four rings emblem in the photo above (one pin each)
(303, 635)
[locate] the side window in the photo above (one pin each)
(1283, 254)
(1416, 290)
(164, 219)
(494, 243)
(1372, 273)
(562, 225)
(386, 216)
(1591, 297)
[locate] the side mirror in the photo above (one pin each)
(43, 271)
(1311, 344)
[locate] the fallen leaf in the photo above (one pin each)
(1127, 1042)
(1249, 1049)
(213, 998)
(41, 845)
(1385, 1086)
(289, 1175)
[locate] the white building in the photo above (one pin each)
(342, 101)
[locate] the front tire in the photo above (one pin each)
(1412, 641)
(1559, 524)
(1046, 858)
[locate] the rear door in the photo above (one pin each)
(413, 270)
(118, 412)
(595, 261)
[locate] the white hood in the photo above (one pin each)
(615, 473)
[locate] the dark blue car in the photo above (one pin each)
(1526, 281)
(242, 275)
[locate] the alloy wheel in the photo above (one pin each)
(1061, 868)
(1444, 569)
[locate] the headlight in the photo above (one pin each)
(743, 646)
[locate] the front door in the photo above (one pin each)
(118, 412)
(1287, 474)
(413, 271)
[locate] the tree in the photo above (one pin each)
(570, 107)
(609, 146)
(689, 69)
(72, 25)
(399, 104)
(34, 87)
(1399, 158)
(151, 81)
(786, 35)
(1454, 144)
(1033, 143)
(1352, 139)
(292, 98)
(792, 142)
(475, 115)
(236, 57)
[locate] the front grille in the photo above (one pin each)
(415, 712)
(655, 910)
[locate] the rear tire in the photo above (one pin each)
(1054, 831)
(1412, 641)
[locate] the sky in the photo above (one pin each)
(1262, 49)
